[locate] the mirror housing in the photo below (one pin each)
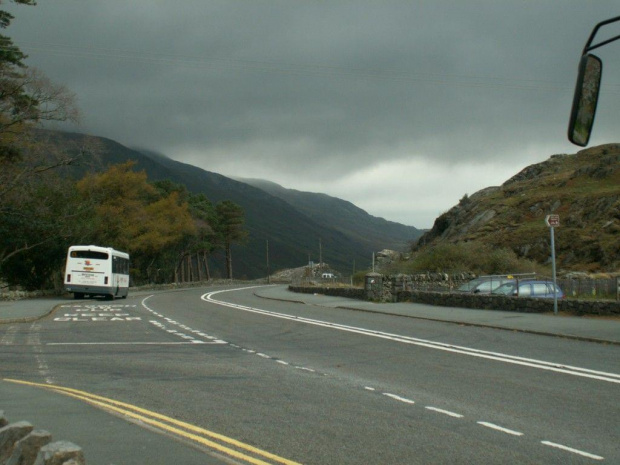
(585, 99)
(587, 88)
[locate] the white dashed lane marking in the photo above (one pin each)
(573, 451)
(500, 428)
(610, 377)
(445, 412)
(398, 398)
(210, 338)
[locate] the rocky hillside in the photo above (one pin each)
(583, 189)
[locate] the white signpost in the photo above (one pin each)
(553, 221)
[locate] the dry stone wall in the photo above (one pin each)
(400, 288)
(21, 444)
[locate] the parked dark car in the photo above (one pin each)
(538, 289)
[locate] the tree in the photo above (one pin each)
(131, 214)
(27, 97)
(30, 215)
(38, 223)
(204, 242)
(230, 220)
(190, 255)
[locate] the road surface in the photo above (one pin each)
(263, 381)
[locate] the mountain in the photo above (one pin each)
(582, 188)
(293, 236)
(375, 233)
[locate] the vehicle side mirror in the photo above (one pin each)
(585, 99)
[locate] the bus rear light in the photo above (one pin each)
(68, 278)
(105, 281)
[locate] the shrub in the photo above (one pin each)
(471, 257)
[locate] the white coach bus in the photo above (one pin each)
(97, 271)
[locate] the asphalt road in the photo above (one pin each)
(320, 385)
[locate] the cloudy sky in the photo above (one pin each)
(400, 107)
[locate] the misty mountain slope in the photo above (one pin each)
(583, 189)
(376, 233)
(292, 235)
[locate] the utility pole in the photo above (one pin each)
(552, 221)
(268, 271)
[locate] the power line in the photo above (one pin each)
(319, 70)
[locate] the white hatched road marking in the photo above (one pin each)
(9, 336)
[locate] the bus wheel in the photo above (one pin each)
(109, 297)
(78, 295)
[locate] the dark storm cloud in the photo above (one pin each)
(346, 84)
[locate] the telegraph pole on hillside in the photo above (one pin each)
(268, 271)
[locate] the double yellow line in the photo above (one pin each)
(185, 430)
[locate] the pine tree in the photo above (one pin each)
(230, 220)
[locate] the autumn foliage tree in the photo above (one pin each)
(130, 214)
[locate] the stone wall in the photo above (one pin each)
(512, 304)
(350, 292)
(379, 288)
(18, 295)
(21, 444)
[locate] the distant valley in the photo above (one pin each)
(291, 224)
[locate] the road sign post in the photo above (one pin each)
(552, 221)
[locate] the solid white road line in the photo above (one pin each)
(533, 363)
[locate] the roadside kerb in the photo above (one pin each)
(29, 319)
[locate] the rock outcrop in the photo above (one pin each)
(583, 189)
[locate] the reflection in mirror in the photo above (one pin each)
(585, 100)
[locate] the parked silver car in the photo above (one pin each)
(484, 284)
(537, 289)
